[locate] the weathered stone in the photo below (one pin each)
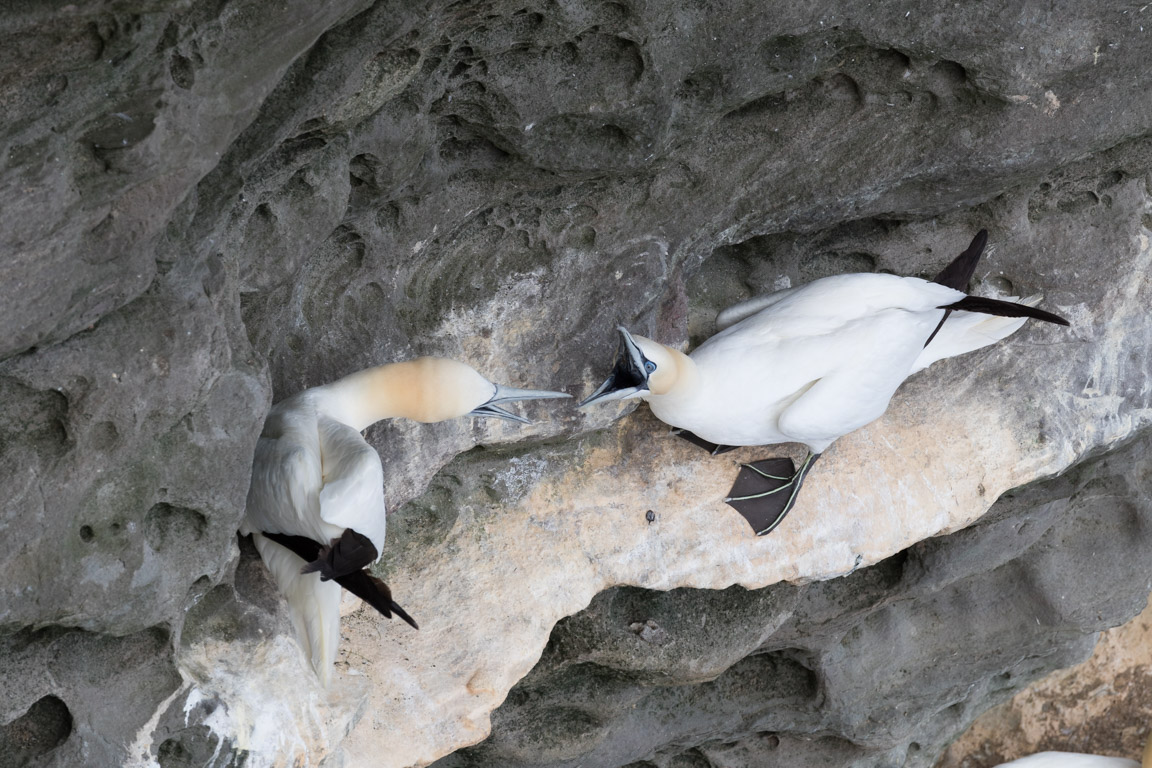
(118, 113)
(1098, 707)
(883, 664)
(207, 206)
(110, 517)
(68, 699)
(248, 695)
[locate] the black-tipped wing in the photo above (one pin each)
(959, 272)
(1004, 309)
(302, 546)
(360, 583)
(695, 439)
(345, 555)
(374, 592)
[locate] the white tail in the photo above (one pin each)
(313, 605)
(968, 331)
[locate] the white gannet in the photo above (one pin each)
(808, 365)
(1075, 760)
(315, 507)
(1078, 760)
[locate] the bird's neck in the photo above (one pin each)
(366, 397)
(683, 384)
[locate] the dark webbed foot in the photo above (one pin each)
(712, 448)
(765, 491)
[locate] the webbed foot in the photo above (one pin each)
(765, 491)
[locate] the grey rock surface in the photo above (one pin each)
(206, 206)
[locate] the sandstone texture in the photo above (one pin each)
(1099, 707)
(880, 667)
(207, 206)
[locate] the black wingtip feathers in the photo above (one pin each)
(396, 609)
(1004, 309)
(359, 582)
(374, 592)
(958, 273)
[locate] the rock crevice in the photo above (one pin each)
(208, 207)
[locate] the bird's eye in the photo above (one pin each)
(649, 366)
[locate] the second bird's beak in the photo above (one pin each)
(628, 378)
(510, 395)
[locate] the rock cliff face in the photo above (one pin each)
(208, 206)
(1098, 707)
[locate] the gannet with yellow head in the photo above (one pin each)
(315, 505)
(809, 365)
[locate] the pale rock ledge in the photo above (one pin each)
(540, 530)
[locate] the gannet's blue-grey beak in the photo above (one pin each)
(629, 377)
(510, 395)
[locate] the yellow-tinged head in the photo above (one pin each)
(668, 362)
(429, 389)
(643, 368)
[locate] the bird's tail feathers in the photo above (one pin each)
(313, 605)
(963, 332)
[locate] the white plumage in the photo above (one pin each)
(315, 477)
(312, 476)
(809, 365)
(1070, 760)
(816, 364)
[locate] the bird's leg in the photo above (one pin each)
(765, 491)
(707, 445)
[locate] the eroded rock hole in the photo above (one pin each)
(195, 747)
(44, 727)
(166, 525)
(34, 417)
